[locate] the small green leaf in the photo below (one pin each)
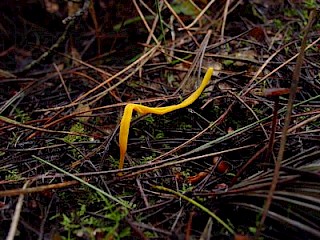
(185, 7)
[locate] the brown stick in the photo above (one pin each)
(15, 192)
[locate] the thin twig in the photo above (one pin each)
(16, 216)
(62, 81)
(273, 129)
(22, 191)
(225, 14)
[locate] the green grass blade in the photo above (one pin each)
(203, 208)
(124, 204)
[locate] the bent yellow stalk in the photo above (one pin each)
(127, 115)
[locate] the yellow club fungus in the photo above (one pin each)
(127, 115)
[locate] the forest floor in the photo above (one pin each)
(241, 161)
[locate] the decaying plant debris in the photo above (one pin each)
(69, 68)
